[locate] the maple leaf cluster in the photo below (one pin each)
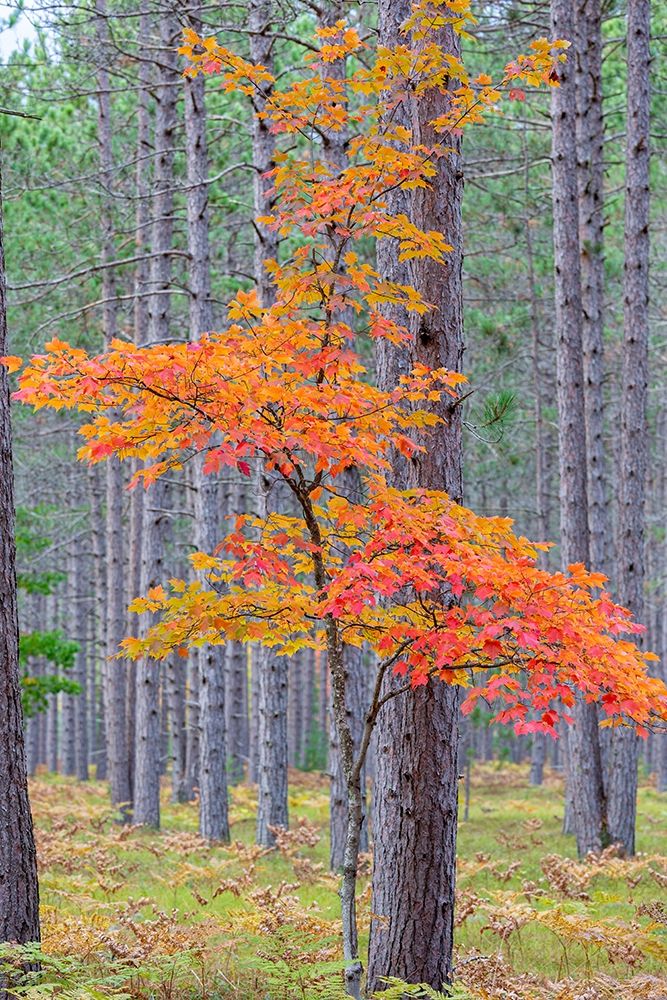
(435, 590)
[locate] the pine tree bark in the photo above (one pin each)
(147, 759)
(19, 892)
(416, 784)
(213, 819)
(236, 702)
(590, 185)
(175, 693)
(585, 779)
(141, 333)
(78, 570)
(634, 427)
(272, 670)
(114, 671)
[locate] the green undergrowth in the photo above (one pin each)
(137, 913)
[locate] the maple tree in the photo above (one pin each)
(284, 385)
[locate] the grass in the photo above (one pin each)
(164, 914)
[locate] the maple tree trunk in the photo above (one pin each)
(634, 427)
(356, 701)
(155, 511)
(416, 782)
(19, 892)
(351, 767)
(585, 779)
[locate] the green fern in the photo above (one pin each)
(398, 989)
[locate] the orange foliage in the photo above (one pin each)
(285, 386)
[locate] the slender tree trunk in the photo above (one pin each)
(253, 734)
(272, 809)
(214, 824)
(68, 701)
(175, 694)
(271, 669)
(538, 748)
(307, 705)
(356, 703)
(661, 739)
(634, 427)
(114, 671)
(416, 784)
(78, 571)
(147, 759)
(52, 720)
(19, 893)
(590, 184)
(192, 735)
(99, 638)
(294, 727)
(141, 334)
(236, 700)
(585, 782)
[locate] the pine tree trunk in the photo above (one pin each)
(416, 783)
(307, 705)
(193, 732)
(585, 781)
(590, 184)
(272, 670)
(114, 671)
(661, 738)
(175, 692)
(214, 823)
(272, 808)
(148, 732)
(634, 427)
(98, 617)
(19, 893)
(68, 701)
(294, 727)
(141, 335)
(236, 700)
(253, 734)
(78, 570)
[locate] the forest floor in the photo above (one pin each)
(134, 913)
